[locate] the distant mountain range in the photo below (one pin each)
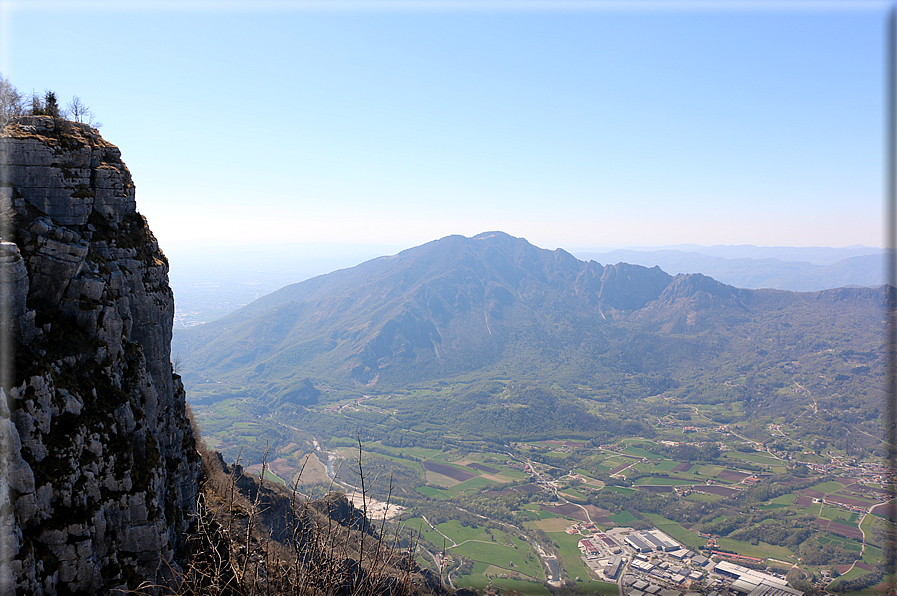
(783, 268)
(496, 307)
(212, 281)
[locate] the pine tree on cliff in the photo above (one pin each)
(51, 106)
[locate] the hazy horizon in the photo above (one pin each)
(592, 125)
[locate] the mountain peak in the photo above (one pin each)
(425, 311)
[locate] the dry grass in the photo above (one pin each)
(253, 537)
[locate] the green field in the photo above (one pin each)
(872, 555)
(433, 493)
(573, 494)
(468, 486)
(762, 550)
(753, 458)
(661, 481)
(842, 542)
(828, 487)
(854, 573)
(839, 515)
(493, 551)
(536, 513)
(784, 499)
(509, 558)
(623, 518)
(641, 453)
(269, 475)
(478, 581)
(666, 465)
(616, 461)
(459, 533)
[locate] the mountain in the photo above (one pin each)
(213, 280)
(816, 255)
(439, 309)
(561, 330)
(783, 268)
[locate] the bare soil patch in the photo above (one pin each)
(449, 471)
(656, 488)
(552, 524)
(526, 488)
(885, 509)
(840, 529)
(567, 510)
(483, 468)
(732, 476)
(683, 467)
(842, 569)
(596, 512)
(838, 498)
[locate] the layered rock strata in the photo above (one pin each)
(100, 459)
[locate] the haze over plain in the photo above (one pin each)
(590, 126)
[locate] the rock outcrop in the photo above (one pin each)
(100, 458)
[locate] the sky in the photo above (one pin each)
(575, 125)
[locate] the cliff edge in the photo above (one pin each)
(100, 459)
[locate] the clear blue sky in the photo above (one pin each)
(588, 126)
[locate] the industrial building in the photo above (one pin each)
(613, 567)
(652, 540)
(639, 544)
(755, 583)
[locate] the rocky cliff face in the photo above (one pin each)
(100, 458)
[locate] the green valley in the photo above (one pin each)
(507, 398)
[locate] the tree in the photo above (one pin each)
(78, 112)
(51, 106)
(37, 105)
(12, 102)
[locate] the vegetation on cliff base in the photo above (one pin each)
(252, 537)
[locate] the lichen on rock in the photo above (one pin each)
(100, 459)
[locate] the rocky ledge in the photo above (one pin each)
(100, 458)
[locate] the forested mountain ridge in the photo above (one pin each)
(496, 307)
(431, 306)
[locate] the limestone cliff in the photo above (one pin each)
(100, 459)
